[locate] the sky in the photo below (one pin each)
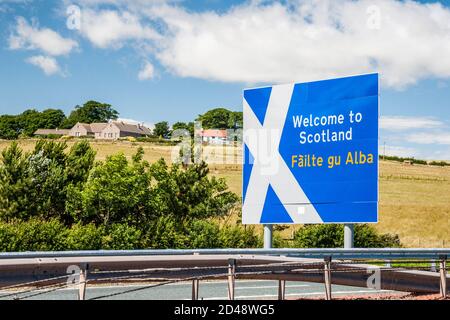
(156, 60)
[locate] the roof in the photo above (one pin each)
(97, 127)
(132, 128)
(84, 125)
(92, 127)
(52, 131)
(122, 126)
(213, 133)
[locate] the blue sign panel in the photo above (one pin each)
(311, 152)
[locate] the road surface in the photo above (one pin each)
(217, 290)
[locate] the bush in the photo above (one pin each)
(84, 237)
(122, 237)
(204, 234)
(52, 235)
(319, 236)
(400, 159)
(157, 140)
(439, 163)
(163, 234)
(239, 237)
(33, 235)
(332, 236)
(51, 136)
(279, 242)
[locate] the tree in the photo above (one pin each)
(116, 191)
(9, 127)
(14, 183)
(235, 120)
(51, 119)
(215, 119)
(184, 126)
(79, 162)
(91, 111)
(221, 118)
(189, 193)
(29, 121)
(161, 129)
(37, 184)
(32, 184)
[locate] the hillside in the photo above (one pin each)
(414, 199)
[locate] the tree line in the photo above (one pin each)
(217, 118)
(26, 123)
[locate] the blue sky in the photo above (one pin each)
(172, 60)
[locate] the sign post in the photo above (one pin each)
(311, 154)
(349, 235)
(268, 236)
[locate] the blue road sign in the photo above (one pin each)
(311, 152)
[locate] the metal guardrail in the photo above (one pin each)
(196, 264)
(334, 253)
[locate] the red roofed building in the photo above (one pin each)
(213, 136)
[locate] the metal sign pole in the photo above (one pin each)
(349, 235)
(268, 230)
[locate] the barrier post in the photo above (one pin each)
(443, 272)
(281, 289)
(82, 281)
(195, 285)
(327, 276)
(231, 278)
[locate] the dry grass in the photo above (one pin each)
(414, 199)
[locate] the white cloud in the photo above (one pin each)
(147, 72)
(112, 29)
(47, 64)
(429, 138)
(269, 41)
(30, 37)
(308, 40)
(262, 41)
(399, 123)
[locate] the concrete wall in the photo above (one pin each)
(78, 131)
(110, 132)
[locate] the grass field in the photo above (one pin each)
(414, 199)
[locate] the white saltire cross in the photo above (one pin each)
(269, 167)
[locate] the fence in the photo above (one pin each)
(42, 272)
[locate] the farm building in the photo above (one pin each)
(213, 136)
(86, 129)
(119, 129)
(47, 132)
(110, 131)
